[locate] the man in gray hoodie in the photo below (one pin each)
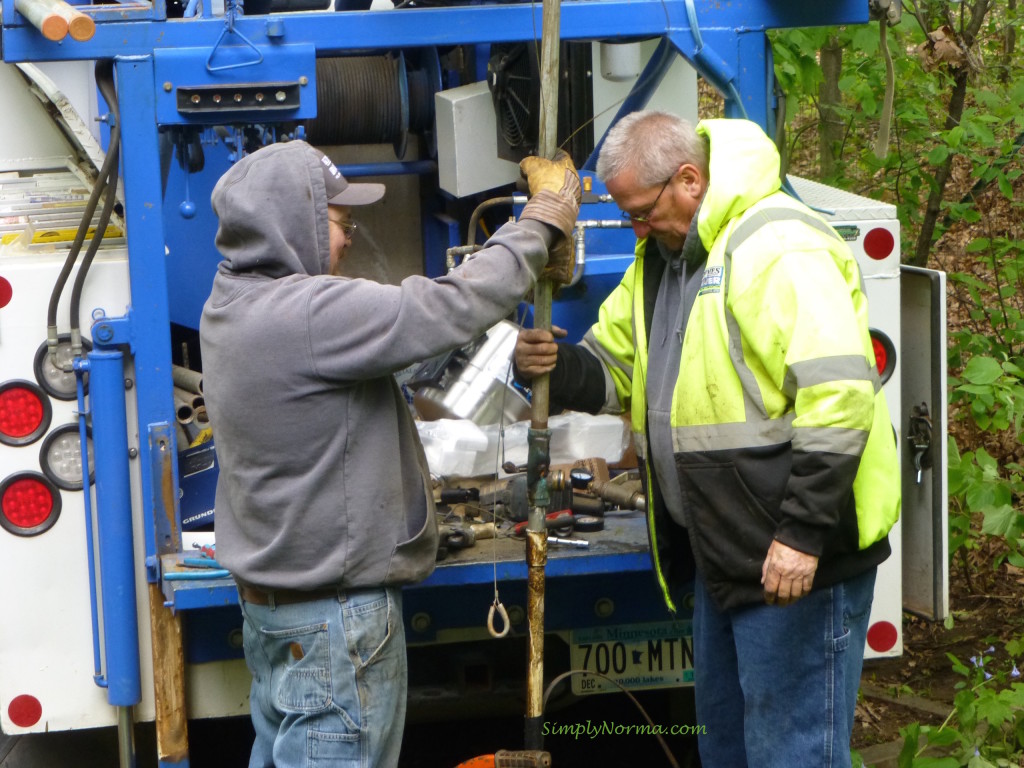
(324, 506)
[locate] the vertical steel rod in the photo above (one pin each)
(126, 737)
(539, 435)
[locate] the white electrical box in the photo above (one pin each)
(467, 142)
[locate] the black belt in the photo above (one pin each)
(258, 596)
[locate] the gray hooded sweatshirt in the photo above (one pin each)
(323, 481)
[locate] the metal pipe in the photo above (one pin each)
(81, 367)
(579, 238)
(186, 378)
(114, 527)
(202, 419)
(184, 441)
(184, 413)
(547, 144)
(56, 19)
(536, 559)
(551, 34)
(126, 737)
(538, 438)
(459, 250)
(540, 386)
(187, 419)
(619, 495)
(40, 15)
(187, 397)
(603, 223)
(539, 435)
(408, 167)
(81, 27)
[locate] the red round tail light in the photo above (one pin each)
(24, 710)
(882, 636)
(879, 243)
(24, 412)
(29, 503)
(885, 354)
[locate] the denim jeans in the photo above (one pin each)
(329, 680)
(776, 686)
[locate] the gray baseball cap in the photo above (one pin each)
(342, 192)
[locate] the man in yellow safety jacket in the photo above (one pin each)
(738, 341)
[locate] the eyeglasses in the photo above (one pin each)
(645, 217)
(348, 227)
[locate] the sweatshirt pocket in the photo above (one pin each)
(414, 559)
(730, 530)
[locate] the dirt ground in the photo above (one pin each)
(920, 685)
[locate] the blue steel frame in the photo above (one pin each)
(734, 45)
(121, 676)
(728, 47)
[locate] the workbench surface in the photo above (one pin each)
(621, 546)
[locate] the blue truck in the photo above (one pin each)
(123, 115)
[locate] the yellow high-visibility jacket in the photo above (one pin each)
(779, 426)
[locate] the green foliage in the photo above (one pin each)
(924, 137)
(980, 488)
(990, 391)
(985, 728)
(986, 354)
(933, 134)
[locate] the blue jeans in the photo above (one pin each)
(776, 686)
(329, 680)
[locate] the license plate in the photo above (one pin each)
(637, 656)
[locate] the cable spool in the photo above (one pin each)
(370, 100)
(359, 101)
(421, 99)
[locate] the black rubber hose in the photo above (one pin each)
(105, 81)
(104, 70)
(474, 219)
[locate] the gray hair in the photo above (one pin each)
(653, 144)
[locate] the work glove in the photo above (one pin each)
(555, 197)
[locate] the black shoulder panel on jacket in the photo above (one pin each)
(578, 380)
(577, 383)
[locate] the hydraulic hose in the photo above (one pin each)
(105, 81)
(104, 71)
(474, 219)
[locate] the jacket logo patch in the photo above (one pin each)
(711, 281)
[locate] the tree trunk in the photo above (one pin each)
(931, 214)
(830, 129)
(977, 13)
(1009, 40)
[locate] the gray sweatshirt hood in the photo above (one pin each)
(267, 225)
(323, 481)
